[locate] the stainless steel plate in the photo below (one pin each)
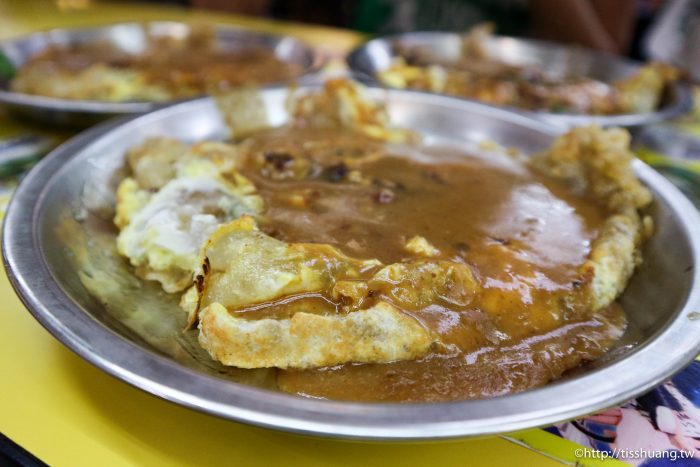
(377, 55)
(58, 248)
(127, 36)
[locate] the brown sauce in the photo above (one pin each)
(529, 87)
(487, 372)
(523, 235)
(182, 68)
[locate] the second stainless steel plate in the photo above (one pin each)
(127, 36)
(377, 55)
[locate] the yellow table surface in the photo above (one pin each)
(19, 17)
(67, 412)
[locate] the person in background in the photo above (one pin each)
(598, 24)
(614, 26)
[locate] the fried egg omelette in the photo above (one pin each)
(477, 74)
(162, 68)
(364, 264)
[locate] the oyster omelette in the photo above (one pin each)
(163, 68)
(478, 74)
(362, 264)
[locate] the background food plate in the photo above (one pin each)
(378, 54)
(129, 36)
(58, 247)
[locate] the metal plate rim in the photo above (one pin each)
(143, 368)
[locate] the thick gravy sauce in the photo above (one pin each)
(523, 235)
(182, 68)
